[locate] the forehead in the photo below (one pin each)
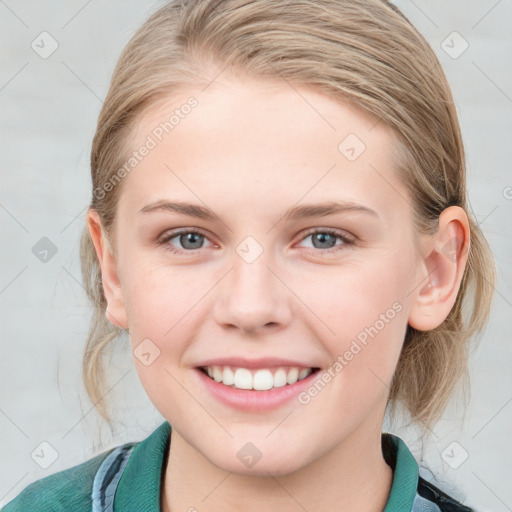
(254, 138)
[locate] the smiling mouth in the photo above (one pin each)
(257, 379)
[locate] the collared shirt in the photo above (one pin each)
(128, 479)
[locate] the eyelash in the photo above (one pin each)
(330, 231)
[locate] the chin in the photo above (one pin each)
(277, 465)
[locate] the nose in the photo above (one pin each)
(252, 297)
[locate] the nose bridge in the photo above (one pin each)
(251, 295)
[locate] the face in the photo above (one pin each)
(265, 272)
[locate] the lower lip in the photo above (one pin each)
(252, 400)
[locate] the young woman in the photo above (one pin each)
(279, 221)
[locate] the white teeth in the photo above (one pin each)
(263, 380)
(243, 379)
(228, 376)
(280, 378)
(259, 380)
(293, 375)
(303, 373)
(217, 374)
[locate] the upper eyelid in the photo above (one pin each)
(167, 235)
(336, 231)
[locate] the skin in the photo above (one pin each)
(249, 151)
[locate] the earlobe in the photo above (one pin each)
(113, 320)
(116, 312)
(442, 269)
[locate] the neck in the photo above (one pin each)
(352, 476)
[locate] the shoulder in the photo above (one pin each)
(409, 487)
(446, 503)
(66, 490)
(93, 483)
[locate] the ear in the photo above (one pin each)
(109, 276)
(442, 268)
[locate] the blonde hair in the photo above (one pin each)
(362, 51)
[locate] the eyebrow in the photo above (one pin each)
(294, 213)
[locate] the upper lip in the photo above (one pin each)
(263, 362)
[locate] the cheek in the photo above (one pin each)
(349, 299)
(162, 303)
(363, 313)
(167, 307)
(159, 298)
(368, 317)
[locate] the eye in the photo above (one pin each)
(190, 240)
(326, 239)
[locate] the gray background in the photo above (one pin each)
(49, 108)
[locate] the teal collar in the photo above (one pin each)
(405, 473)
(139, 487)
